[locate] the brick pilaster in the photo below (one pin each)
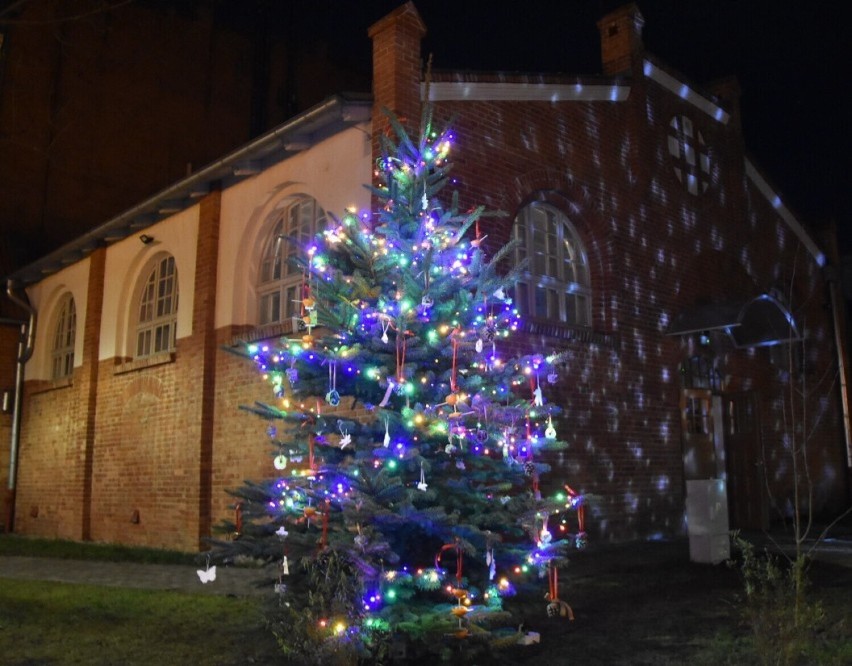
(88, 377)
(203, 326)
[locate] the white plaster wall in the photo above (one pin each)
(334, 172)
(126, 259)
(44, 297)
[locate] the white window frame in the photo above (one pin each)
(294, 227)
(556, 283)
(64, 337)
(156, 310)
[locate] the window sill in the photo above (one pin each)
(142, 363)
(266, 332)
(556, 329)
(51, 385)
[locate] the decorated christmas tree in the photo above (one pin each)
(409, 443)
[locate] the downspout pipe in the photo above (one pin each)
(25, 352)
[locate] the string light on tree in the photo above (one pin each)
(411, 432)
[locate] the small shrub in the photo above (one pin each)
(783, 621)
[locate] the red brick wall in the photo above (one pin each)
(654, 250)
(168, 439)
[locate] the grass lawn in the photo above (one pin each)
(641, 603)
(58, 623)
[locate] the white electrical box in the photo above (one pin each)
(707, 520)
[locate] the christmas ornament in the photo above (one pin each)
(556, 607)
(427, 301)
(550, 433)
(388, 391)
(538, 398)
(529, 468)
(386, 441)
(280, 462)
(552, 378)
(422, 485)
(208, 574)
(285, 567)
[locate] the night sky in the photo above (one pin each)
(790, 59)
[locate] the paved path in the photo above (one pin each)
(229, 580)
(240, 581)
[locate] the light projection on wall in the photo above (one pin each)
(689, 154)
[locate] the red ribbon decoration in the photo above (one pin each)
(238, 519)
(530, 457)
(454, 337)
(456, 547)
(325, 512)
(553, 581)
(581, 510)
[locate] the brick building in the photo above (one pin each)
(662, 262)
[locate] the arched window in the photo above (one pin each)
(296, 224)
(62, 351)
(156, 324)
(555, 285)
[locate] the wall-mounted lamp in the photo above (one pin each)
(146, 239)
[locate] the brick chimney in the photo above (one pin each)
(621, 40)
(397, 70)
(728, 91)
